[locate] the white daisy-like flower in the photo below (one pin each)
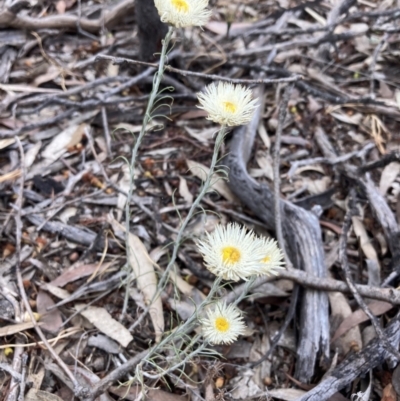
(232, 253)
(272, 259)
(183, 13)
(227, 104)
(223, 324)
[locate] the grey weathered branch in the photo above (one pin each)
(302, 234)
(356, 365)
(9, 19)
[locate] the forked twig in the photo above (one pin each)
(121, 60)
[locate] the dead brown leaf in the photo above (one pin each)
(389, 394)
(221, 28)
(103, 321)
(143, 268)
(388, 176)
(357, 317)
(365, 242)
(61, 6)
(340, 311)
(184, 191)
(77, 273)
(71, 136)
(219, 184)
(50, 321)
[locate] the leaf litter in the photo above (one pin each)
(54, 125)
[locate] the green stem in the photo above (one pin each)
(147, 117)
(204, 189)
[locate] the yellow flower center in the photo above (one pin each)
(267, 259)
(229, 107)
(181, 6)
(221, 324)
(230, 255)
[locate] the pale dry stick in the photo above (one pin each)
(78, 389)
(323, 284)
(327, 160)
(106, 130)
(278, 220)
(24, 360)
(346, 270)
(340, 7)
(16, 366)
(47, 100)
(52, 61)
(60, 336)
(386, 159)
(8, 368)
(298, 43)
(65, 21)
(185, 73)
(39, 124)
(394, 13)
(277, 179)
(377, 50)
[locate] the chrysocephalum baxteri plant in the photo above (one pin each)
(177, 13)
(183, 13)
(232, 252)
(223, 324)
(272, 259)
(228, 104)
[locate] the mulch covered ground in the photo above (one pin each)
(72, 104)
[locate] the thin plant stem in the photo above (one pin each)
(205, 188)
(185, 328)
(147, 117)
